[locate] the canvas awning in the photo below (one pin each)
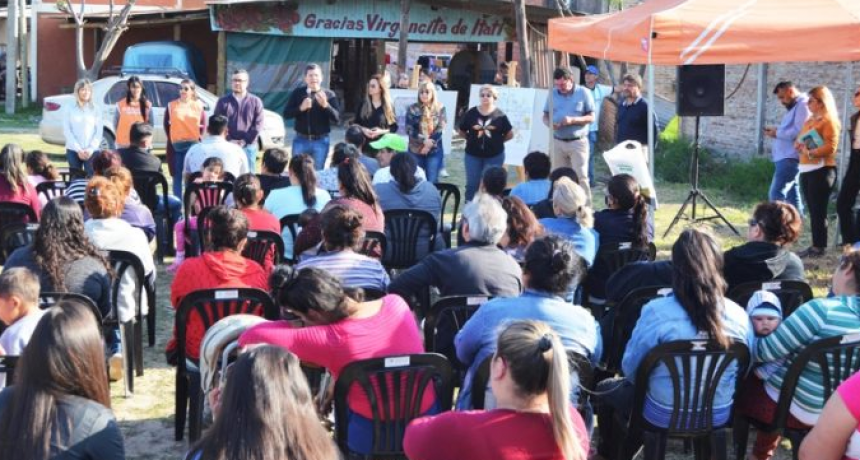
(679, 32)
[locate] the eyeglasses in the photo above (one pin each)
(239, 80)
(185, 88)
(486, 95)
(424, 91)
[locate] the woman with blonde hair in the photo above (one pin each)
(14, 184)
(533, 418)
(486, 129)
(425, 123)
(376, 116)
(574, 218)
(184, 122)
(817, 144)
(82, 128)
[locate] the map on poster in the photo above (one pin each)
(403, 98)
(524, 108)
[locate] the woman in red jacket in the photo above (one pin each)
(223, 267)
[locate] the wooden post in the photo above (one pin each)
(404, 34)
(523, 41)
(416, 72)
(177, 32)
(221, 67)
(11, 56)
(22, 40)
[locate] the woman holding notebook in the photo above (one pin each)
(816, 145)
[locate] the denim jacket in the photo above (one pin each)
(664, 320)
(477, 340)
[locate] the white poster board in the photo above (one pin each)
(403, 98)
(524, 108)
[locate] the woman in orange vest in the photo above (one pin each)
(135, 107)
(184, 122)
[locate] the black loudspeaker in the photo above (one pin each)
(701, 90)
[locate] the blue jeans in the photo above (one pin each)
(251, 153)
(785, 185)
(179, 151)
(317, 148)
(592, 146)
(475, 169)
(174, 207)
(431, 163)
(77, 163)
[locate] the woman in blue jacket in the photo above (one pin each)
(697, 309)
(574, 218)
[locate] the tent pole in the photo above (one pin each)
(651, 107)
(761, 95)
(846, 128)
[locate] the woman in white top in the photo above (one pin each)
(82, 128)
(107, 231)
(297, 198)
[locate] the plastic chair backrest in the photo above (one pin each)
(147, 185)
(395, 387)
(404, 230)
(12, 213)
(291, 223)
(122, 261)
(696, 369)
(51, 189)
(199, 197)
(261, 244)
(373, 245)
(791, 293)
(617, 255)
(49, 299)
(450, 194)
(626, 315)
(453, 311)
(14, 236)
(835, 358)
(7, 366)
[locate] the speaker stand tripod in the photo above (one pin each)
(696, 194)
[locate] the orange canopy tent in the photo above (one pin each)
(680, 32)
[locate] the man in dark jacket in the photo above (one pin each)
(315, 109)
(137, 157)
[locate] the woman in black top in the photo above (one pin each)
(486, 129)
(59, 406)
(376, 116)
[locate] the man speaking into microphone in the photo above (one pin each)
(314, 108)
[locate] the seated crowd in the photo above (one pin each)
(536, 259)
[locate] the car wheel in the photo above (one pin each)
(108, 141)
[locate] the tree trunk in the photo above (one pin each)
(79, 51)
(404, 34)
(116, 27)
(523, 41)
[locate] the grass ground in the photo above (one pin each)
(146, 419)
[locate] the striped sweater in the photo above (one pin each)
(814, 320)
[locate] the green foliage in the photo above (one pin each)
(747, 181)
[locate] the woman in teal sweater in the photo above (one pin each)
(815, 320)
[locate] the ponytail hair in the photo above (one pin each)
(538, 365)
(41, 165)
(625, 190)
(246, 190)
(302, 166)
(553, 265)
(356, 182)
(403, 169)
(570, 200)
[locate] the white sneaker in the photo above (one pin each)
(115, 367)
(444, 173)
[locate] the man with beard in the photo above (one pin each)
(785, 183)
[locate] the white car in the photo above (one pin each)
(160, 90)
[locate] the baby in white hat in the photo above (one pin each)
(765, 311)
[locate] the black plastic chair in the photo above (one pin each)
(791, 293)
(227, 176)
(7, 367)
(410, 236)
(152, 189)
(609, 259)
(291, 223)
(198, 197)
(625, 316)
(48, 299)
(209, 306)
(696, 369)
(261, 244)
(69, 174)
(395, 387)
(836, 358)
(13, 213)
(449, 193)
(51, 189)
(373, 294)
(580, 367)
(373, 245)
(131, 332)
(14, 236)
(444, 319)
